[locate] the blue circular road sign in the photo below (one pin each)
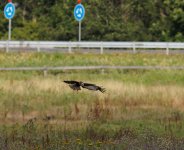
(79, 12)
(9, 11)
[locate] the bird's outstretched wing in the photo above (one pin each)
(93, 87)
(71, 82)
(75, 85)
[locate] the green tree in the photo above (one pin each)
(176, 17)
(105, 20)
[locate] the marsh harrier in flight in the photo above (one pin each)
(75, 85)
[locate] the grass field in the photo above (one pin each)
(59, 59)
(140, 110)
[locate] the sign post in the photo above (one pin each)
(79, 13)
(79, 31)
(9, 12)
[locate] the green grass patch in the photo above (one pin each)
(59, 59)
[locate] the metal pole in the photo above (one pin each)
(69, 47)
(79, 31)
(38, 47)
(9, 35)
(101, 48)
(167, 48)
(134, 48)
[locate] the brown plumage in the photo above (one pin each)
(75, 85)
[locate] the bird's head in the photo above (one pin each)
(81, 83)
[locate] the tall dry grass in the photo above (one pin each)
(42, 97)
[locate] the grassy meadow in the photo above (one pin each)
(141, 109)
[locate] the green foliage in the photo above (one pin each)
(105, 20)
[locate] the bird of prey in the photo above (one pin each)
(75, 85)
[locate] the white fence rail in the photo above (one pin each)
(102, 68)
(49, 45)
(92, 68)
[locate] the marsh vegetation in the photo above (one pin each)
(140, 109)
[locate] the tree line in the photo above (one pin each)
(105, 20)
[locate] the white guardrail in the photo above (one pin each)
(49, 45)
